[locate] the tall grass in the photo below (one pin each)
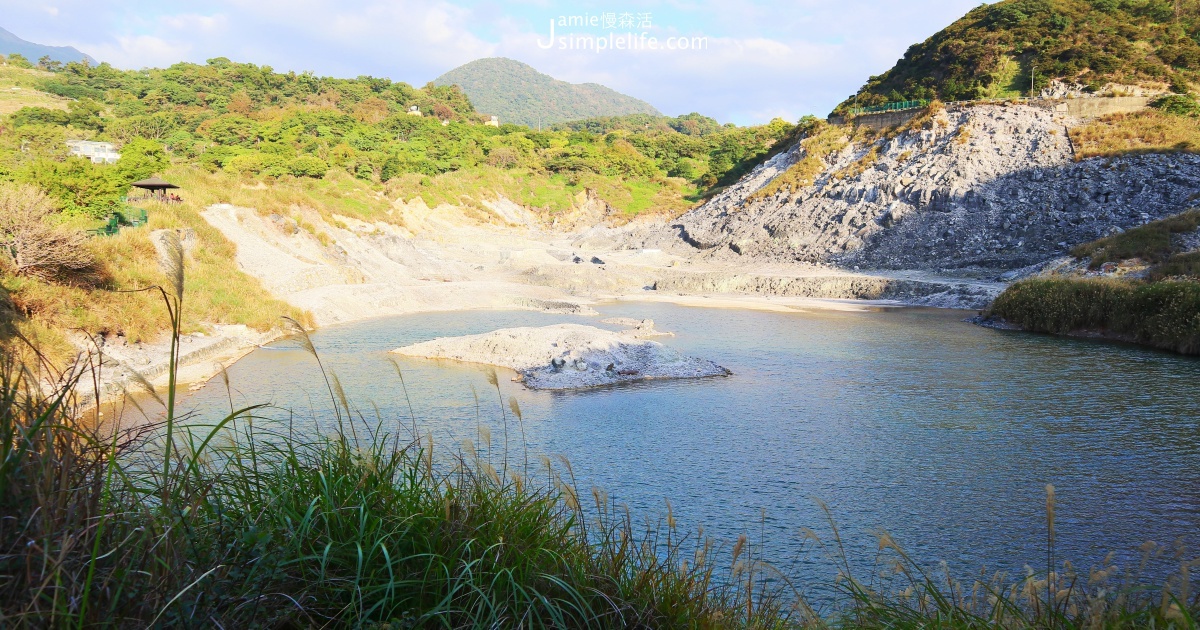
(1163, 314)
(246, 523)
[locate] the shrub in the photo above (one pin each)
(1178, 104)
(308, 166)
(18, 60)
(249, 164)
(36, 249)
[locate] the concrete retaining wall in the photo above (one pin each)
(1101, 106)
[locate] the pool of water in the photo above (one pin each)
(909, 420)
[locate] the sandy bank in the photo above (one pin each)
(568, 356)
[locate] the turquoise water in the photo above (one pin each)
(942, 433)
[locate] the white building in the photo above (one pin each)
(97, 152)
(493, 122)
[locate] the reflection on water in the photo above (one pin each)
(942, 433)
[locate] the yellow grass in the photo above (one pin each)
(1147, 131)
(25, 95)
(823, 142)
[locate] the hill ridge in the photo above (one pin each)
(10, 43)
(518, 93)
(1001, 50)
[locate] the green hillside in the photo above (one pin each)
(521, 95)
(999, 50)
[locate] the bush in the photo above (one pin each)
(308, 166)
(1178, 104)
(18, 60)
(249, 164)
(36, 249)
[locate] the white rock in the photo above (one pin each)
(568, 356)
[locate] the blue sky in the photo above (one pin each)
(759, 59)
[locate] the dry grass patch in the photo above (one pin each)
(1147, 131)
(218, 292)
(25, 93)
(822, 142)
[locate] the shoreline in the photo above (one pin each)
(196, 374)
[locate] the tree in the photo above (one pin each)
(140, 158)
(18, 60)
(240, 103)
(34, 248)
(46, 63)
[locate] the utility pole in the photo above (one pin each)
(1032, 79)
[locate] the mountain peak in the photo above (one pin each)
(10, 43)
(518, 93)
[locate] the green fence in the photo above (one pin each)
(888, 107)
(127, 216)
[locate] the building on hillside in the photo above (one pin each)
(414, 111)
(97, 152)
(494, 121)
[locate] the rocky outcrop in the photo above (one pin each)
(988, 187)
(568, 356)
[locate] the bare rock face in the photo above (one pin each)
(568, 356)
(988, 187)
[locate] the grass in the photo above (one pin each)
(1159, 309)
(1147, 131)
(1163, 314)
(246, 524)
(822, 142)
(220, 292)
(1150, 242)
(27, 94)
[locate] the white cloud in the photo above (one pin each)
(139, 51)
(190, 23)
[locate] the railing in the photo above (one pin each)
(158, 198)
(888, 107)
(127, 216)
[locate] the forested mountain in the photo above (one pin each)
(1000, 50)
(519, 94)
(11, 44)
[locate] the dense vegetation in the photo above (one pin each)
(293, 143)
(1159, 305)
(995, 50)
(257, 123)
(519, 94)
(1162, 314)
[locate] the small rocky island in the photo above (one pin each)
(568, 356)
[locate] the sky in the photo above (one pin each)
(745, 62)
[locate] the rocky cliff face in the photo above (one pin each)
(989, 187)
